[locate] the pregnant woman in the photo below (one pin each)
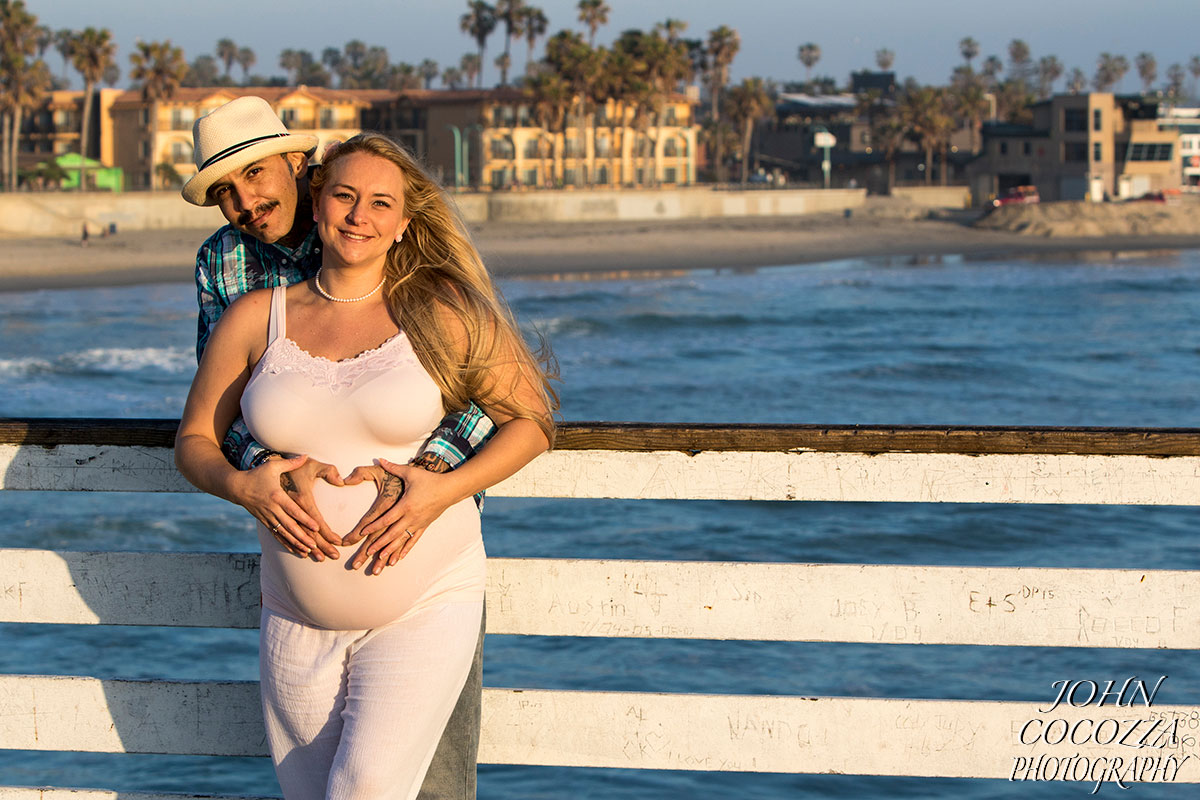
(363, 657)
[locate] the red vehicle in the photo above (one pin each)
(1018, 195)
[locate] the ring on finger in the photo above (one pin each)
(275, 527)
(408, 533)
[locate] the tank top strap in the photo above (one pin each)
(277, 327)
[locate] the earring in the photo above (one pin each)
(399, 236)
(315, 219)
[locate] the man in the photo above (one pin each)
(255, 171)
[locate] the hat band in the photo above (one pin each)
(237, 148)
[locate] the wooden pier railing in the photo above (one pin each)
(643, 599)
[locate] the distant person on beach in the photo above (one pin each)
(362, 665)
(83, 237)
(256, 172)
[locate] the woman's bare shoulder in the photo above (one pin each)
(246, 318)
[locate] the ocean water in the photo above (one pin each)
(1079, 340)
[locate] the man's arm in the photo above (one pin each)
(219, 262)
(457, 438)
(238, 446)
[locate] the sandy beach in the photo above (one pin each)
(593, 250)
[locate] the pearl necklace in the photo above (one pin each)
(321, 291)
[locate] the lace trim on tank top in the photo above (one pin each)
(284, 355)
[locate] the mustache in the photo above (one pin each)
(245, 217)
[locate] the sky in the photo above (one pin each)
(924, 34)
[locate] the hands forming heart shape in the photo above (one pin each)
(407, 500)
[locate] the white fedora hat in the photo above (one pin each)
(238, 133)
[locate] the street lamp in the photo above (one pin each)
(824, 139)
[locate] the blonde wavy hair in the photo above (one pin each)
(436, 266)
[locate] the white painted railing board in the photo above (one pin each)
(662, 599)
(43, 793)
(850, 477)
(215, 590)
(90, 468)
(739, 733)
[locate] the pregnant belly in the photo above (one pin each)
(446, 565)
(343, 506)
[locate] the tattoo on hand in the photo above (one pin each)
(391, 488)
(288, 483)
(430, 463)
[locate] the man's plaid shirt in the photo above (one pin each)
(231, 263)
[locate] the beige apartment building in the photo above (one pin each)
(491, 140)
(53, 128)
(1089, 146)
(481, 139)
(154, 138)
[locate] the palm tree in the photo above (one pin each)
(470, 66)
(428, 70)
(159, 68)
(1076, 81)
(22, 80)
(333, 59)
(1120, 66)
(809, 55)
(43, 38)
(723, 44)
(397, 77)
(227, 52)
(478, 23)
(992, 67)
(245, 60)
(503, 62)
(671, 28)
(512, 14)
(550, 97)
(748, 103)
(203, 71)
(452, 78)
(112, 74)
(1020, 63)
(1049, 70)
(24, 93)
(1175, 76)
(969, 49)
(923, 113)
(971, 103)
(1147, 67)
(581, 66)
(91, 52)
(290, 62)
(666, 66)
(623, 85)
(593, 14)
(535, 25)
(62, 44)
(884, 59)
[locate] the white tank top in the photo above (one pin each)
(378, 404)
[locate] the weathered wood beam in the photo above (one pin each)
(697, 438)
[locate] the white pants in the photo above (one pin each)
(356, 715)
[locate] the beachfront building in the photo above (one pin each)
(493, 140)
(52, 130)
(481, 139)
(1187, 122)
(788, 142)
(154, 137)
(1093, 146)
